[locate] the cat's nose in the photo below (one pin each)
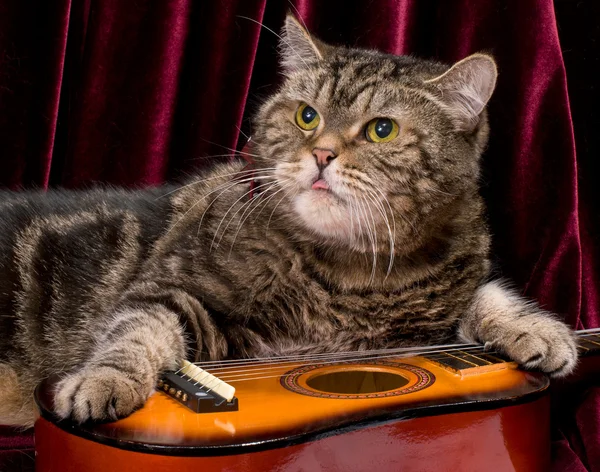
(323, 156)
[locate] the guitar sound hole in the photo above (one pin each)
(356, 381)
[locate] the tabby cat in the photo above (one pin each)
(359, 227)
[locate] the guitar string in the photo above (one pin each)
(231, 363)
(310, 356)
(316, 356)
(478, 349)
(285, 375)
(358, 356)
(368, 355)
(410, 352)
(245, 377)
(492, 353)
(215, 382)
(257, 368)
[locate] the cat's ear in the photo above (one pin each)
(298, 48)
(466, 88)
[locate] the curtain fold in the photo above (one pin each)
(153, 85)
(136, 93)
(32, 56)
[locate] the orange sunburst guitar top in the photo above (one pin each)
(456, 409)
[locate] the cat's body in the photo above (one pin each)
(112, 287)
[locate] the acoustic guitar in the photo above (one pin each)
(454, 408)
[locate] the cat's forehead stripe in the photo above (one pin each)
(355, 85)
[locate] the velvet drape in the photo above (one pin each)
(134, 93)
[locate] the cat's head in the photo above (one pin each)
(370, 147)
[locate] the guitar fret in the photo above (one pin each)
(485, 362)
(586, 347)
(463, 360)
(597, 343)
(588, 343)
(494, 359)
(453, 362)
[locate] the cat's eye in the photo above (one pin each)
(307, 117)
(381, 130)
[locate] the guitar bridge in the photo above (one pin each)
(189, 387)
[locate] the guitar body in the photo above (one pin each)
(408, 414)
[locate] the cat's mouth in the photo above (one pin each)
(320, 184)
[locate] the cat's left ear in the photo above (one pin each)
(298, 47)
(466, 88)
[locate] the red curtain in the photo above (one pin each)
(138, 92)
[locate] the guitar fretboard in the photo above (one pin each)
(589, 343)
(462, 360)
(457, 360)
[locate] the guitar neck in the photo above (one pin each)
(477, 360)
(588, 343)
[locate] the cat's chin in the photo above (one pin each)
(325, 214)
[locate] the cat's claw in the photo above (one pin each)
(98, 394)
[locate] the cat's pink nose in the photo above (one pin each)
(323, 156)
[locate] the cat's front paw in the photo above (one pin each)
(98, 394)
(536, 342)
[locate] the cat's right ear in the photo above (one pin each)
(298, 48)
(466, 89)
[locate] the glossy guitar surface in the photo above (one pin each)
(392, 414)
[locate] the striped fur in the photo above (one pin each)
(108, 288)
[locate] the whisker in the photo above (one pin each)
(442, 192)
(360, 228)
(351, 221)
(244, 218)
(228, 188)
(243, 134)
(391, 211)
(229, 185)
(298, 16)
(186, 213)
(265, 203)
(230, 208)
(244, 173)
(210, 156)
(230, 149)
(369, 232)
(276, 205)
(374, 238)
(246, 206)
(383, 213)
(282, 40)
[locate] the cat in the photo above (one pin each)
(359, 227)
